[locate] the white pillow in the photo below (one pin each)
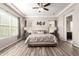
(40, 32)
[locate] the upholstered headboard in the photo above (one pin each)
(40, 31)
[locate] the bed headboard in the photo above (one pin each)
(40, 31)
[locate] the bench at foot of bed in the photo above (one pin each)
(42, 44)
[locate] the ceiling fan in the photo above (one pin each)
(42, 6)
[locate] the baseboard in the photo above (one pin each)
(9, 44)
(76, 45)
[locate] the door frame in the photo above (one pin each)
(65, 25)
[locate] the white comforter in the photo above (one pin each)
(41, 38)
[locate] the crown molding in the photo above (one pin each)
(15, 9)
(65, 9)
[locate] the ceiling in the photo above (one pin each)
(54, 9)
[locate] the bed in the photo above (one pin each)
(41, 39)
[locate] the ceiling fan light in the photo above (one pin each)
(41, 9)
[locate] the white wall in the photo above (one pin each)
(75, 26)
(31, 23)
(60, 24)
(39, 27)
(75, 21)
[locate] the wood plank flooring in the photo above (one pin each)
(21, 49)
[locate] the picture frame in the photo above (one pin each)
(41, 23)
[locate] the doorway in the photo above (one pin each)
(69, 28)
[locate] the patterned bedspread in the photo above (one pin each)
(41, 38)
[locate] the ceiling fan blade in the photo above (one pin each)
(46, 9)
(46, 4)
(38, 4)
(41, 4)
(35, 7)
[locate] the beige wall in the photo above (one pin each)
(62, 24)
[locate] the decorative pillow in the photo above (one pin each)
(38, 31)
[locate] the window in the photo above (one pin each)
(8, 24)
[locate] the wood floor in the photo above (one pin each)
(21, 49)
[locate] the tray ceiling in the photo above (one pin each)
(27, 9)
